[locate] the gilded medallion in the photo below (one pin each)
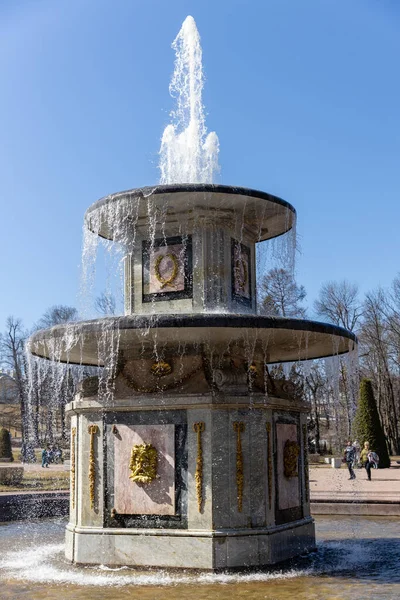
(143, 464)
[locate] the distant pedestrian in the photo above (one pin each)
(58, 456)
(45, 457)
(349, 458)
(369, 459)
(357, 448)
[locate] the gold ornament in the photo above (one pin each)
(306, 474)
(241, 275)
(73, 436)
(166, 280)
(238, 426)
(158, 388)
(143, 465)
(291, 453)
(199, 428)
(159, 369)
(92, 430)
(269, 463)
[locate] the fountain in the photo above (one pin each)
(185, 451)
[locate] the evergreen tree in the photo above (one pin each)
(5, 446)
(367, 425)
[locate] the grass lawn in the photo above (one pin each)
(45, 481)
(16, 452)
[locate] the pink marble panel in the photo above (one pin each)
(288, 488)
(157, 497)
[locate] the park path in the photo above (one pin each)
(333, 485)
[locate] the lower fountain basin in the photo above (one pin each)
(270, 339)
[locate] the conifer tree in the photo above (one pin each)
(367, 425)
(5, 446)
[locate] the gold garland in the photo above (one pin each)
(92, 430)
(199, 428)
(166, 280)
(143, 464)
(306, 473)
(238, 426)
(73, 436)
(269, 463)
(169, 386)
(241, 281)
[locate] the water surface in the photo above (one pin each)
(357, 558)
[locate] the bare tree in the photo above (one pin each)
(315, 388)
(105, 304)
(281, 295)
(379, 356)
(338, 302)
(50, 388)
(12, 355)
(57, 315)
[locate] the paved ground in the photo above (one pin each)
(328, 484)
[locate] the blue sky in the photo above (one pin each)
(304, 97)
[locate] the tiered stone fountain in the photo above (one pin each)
(186, 452)
(198, 458)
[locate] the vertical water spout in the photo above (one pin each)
(187, 153)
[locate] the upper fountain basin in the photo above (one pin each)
(181, 207)
(266, 339)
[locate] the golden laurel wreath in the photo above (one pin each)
(166, 280)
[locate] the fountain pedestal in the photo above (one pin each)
(230, 490)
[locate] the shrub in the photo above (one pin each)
(5, 445)
(367, 425)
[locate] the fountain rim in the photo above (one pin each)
(200, 320)
(177, 188)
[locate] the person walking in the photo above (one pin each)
(357, 447)
(349, 458)
(366, 458)
(45, 457)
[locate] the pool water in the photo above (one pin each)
(357, 558)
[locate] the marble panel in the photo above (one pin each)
(167, 269)
(158, 496)
(288, 487)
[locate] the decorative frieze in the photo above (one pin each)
(199, 428)
(238, 427)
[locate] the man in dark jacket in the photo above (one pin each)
(349, 458)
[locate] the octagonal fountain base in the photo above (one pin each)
(230, 484)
